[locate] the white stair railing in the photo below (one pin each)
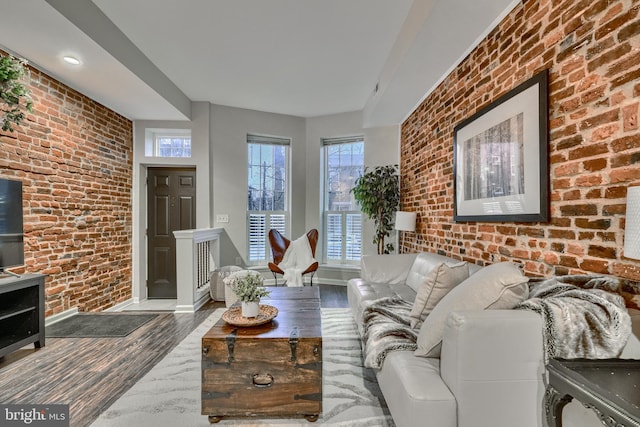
(197, 255)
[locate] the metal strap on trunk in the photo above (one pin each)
(231, 343)
(293, 342)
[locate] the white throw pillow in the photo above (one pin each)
(422, 265)
(436, 285)
(217, 282)
(497, 286)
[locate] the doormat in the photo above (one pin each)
(97, 325)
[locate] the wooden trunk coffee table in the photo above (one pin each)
(272, 370)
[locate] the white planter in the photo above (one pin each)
(250, 309)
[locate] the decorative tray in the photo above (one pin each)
(233, 316)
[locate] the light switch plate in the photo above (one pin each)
(222, 218)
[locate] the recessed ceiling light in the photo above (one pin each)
(71, 60)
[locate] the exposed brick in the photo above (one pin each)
(630, 117)
(629, 62)
(530, 231)
(589, 180)
(568, 261)
(611, 210)
(590, 48)
(616, 23)
(602, 252)
(627, 77)
(593, 121)
(600, 224)
(592, 95)
(579, 210)
(594, 164)
(626, 143)
(625, 175)
(569, 142)
(593, 194)
(631, 30)
(616, 192)
(74, 157)
(589, 151)
(608, 56)
(571, 195)
(567, 169)
(595, 265)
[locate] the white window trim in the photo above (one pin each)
(270, 140)
(325, 213)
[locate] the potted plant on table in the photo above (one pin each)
(249, 288)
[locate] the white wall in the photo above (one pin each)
(229, 129)
(200, 151)
(219, 144)
(382, 147)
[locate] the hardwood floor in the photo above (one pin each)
(89, 374)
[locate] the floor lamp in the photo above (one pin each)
(632, 224)
(405, 221)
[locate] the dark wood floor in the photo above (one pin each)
(89, 374)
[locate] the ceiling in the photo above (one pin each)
(149, 59)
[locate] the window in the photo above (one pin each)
(343, 164)
(167, 143)
(172, 146)
(267, 200)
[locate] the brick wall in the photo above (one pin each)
(74, 157)
(592, 49)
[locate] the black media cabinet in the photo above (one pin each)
(21, 312)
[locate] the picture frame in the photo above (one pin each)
(500, 158)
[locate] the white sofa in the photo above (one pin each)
(490, 371)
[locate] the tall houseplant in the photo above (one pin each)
(377, 192)
(13, 94)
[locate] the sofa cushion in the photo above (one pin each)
(360, 294)
(415, 392)
(498, 286)
(436, 285)
(422, 266)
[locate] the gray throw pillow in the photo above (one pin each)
(436, 285)
(497, 286)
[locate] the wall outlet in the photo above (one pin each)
(238, 260)
(222, 218)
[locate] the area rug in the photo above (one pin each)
(103, 325)
(169, 394)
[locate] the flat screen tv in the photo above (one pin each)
(11, 231)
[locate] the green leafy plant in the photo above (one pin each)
(247, 285)
(14, 95)
(377, 192)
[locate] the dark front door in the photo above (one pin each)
(171, 201)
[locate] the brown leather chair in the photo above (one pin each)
(279, 245)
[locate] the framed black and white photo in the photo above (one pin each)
(501, 158)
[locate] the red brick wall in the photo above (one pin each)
(592, 49)
(74, 157)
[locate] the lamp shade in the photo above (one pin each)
(632, 224)
(405, 221)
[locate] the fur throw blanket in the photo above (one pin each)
(296, 259)
(582, 317)
(387, 327)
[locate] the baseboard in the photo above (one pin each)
(60, 316)
(121, 306)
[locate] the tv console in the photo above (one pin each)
(21, 312)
